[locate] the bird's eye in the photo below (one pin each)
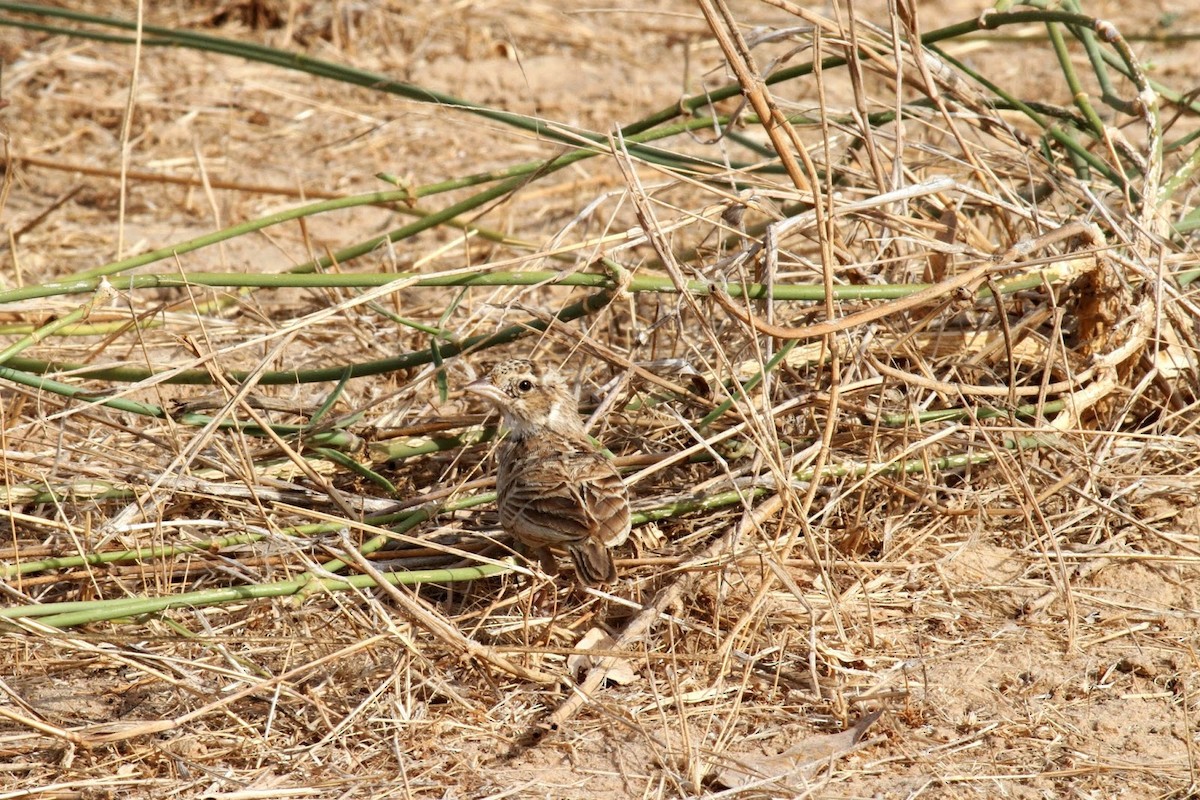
(525, 385)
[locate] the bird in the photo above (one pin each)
(554, 487)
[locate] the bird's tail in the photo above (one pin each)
(593, 563)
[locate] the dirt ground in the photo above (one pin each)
(1004, 661)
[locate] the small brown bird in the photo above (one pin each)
(554, 487)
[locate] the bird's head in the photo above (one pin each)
(530, 398)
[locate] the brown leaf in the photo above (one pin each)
(796, 761)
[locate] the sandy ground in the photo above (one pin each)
(1007, 662)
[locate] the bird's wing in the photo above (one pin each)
(561, 497)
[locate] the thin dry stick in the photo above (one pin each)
(413, 608)
(957, 388)
(788, 145)
(126, 126)
(107, 733)
(31, 721)
(144, 176)
(999, 263)
(640, 625)
(760, 430)
(121, 731)
(737, 55)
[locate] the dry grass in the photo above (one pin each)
(947, 547)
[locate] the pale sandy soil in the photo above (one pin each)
(1020, 654)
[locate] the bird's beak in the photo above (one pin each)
(486, 389)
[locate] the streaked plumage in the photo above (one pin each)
(554, 487)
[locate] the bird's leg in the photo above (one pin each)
(549, 566)
(547, 560)
(546, 597)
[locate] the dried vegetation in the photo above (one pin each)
(909, 412)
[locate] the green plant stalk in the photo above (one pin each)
(232, 232)
(1027, 411)
(425, 445)
(1185, 101)
(98, 610)
(404, 520)
(1186, 174)
(109, 328)
(519, 174)
(1052, 131)
(14, 493)
(8, 571)
(353, 466)
(331, 70)
(155, 36)
(411, 520)
(984, 22)
(49, 329)
(104, 610)
(748, 386)
(638, 283)
(1078, 94)
(510, 180)
(329, 402)
(1182, 142)
(23, 377)
(339, 439)
(1108, 92)
(102, 490)
(1147, 107)
(21, 370)
(588, 305)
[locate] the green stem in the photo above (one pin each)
(20, 368)
(1077, 91)
(104, 610)
(49, 329)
